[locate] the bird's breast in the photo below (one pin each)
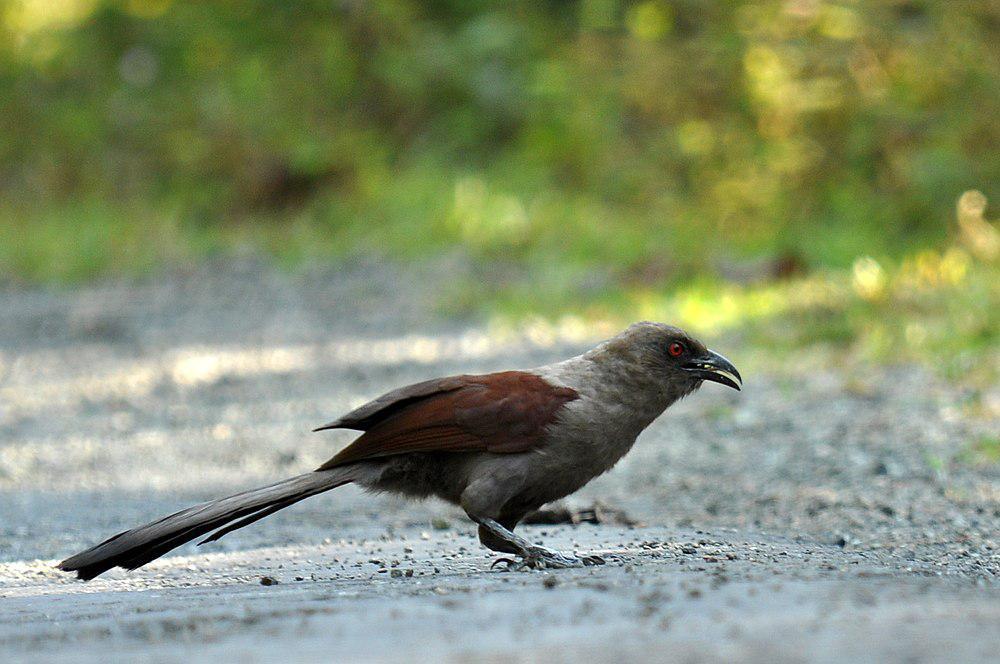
(592, 432)
(591, 438)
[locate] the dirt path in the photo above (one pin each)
(696, 595)
(820, 513)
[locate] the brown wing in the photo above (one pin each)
(364, 417)
(502, 413)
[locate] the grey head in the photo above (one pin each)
(668, 355)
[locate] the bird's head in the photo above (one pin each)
(671, 355)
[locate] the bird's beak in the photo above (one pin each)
(712, 366)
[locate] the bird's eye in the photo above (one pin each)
(675, 349)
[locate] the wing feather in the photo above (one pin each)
(377, 410)
(504, 413)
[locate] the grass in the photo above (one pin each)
(74, 244)
(982, 452)
(936, 308)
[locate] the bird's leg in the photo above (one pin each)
(494, 543)
(532, 556)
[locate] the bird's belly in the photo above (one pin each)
(583, 461)
(556, 471)
(422, 475)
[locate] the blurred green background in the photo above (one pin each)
(724, 164)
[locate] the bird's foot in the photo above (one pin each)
(538, 557)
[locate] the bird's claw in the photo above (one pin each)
(506, 561)
(540, 558)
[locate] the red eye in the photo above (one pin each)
(675, 349)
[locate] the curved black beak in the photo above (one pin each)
(712, 366)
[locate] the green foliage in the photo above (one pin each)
(935, 308)
(984, 451)
(77, 242)
(645, 139)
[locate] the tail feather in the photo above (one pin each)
(134, 548)
(247, 520)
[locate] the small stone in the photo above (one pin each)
(550, 582)
(268, 581)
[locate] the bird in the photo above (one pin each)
(498, 445)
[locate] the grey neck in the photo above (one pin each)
(607, 376)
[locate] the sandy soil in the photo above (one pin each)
(821, 514)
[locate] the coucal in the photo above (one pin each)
(498, 445)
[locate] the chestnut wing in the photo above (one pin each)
(502, 413)
(364, 417)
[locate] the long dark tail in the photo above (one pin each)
(134, 548)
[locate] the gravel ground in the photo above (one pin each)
(822, 513)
